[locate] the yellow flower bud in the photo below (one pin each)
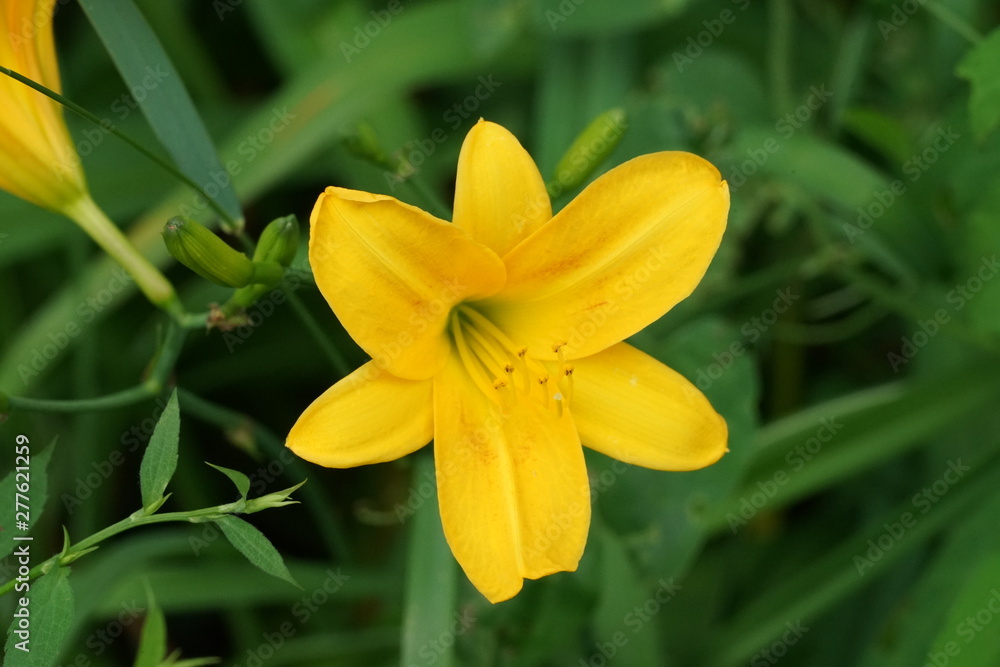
(38, 161)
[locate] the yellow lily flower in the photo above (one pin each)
(499, 336)
(38, 161)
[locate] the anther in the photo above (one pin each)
(509, 370)
(543, 382)
(505, 393)
(522, 366)
(558, 349)
(568, 385)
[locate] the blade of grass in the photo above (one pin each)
(144, 65)
(430, 589)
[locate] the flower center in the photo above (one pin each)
(506, 372)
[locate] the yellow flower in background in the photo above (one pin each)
(37, 157)
(38, 161)
(499, 336)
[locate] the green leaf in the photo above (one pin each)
(153, 641)
(37, 494)
(562, 18)
(980, 67)
(621, 592)
(160, 460)
(955, 584)
(430, 588)
(853, 563)
(241, 481)
(854, 432)
(51, 615)
(192, 662)
(144, 65)
(258, 549)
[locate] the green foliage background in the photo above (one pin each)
(854, 520)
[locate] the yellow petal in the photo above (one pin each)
(38, 161)
(631, 407)
(368, 417)
(620, 255)
(392, 273)
(512, 486)
(500, 197)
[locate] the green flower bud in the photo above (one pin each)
(276, 499)
(198, 248)
(278, 242)
(590, 148)
(275, 251)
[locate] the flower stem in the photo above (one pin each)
(162, 364)
(147, 277)
(84, 113)
(954, 21)
(132, 521)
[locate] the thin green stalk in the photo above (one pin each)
(954, 21)
(431, 588)
(163, 363)
(134, 520)
(106, 234)
(779, 55)
(80, 111)
(892, 300)
(329, 349)
(109, 402)
(314, 497)
(431, 200)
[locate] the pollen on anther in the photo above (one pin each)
(558, 349)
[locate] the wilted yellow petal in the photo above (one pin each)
(512, 485)
(630, 246)
(392, 273)
(500, 197)
(631, 407)
(369, 416)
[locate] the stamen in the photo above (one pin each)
(523, 367)
(481, 345)
(484, 325)
(469, 359)
(505, 393)
(567, 386)
(544, 382)
(558, 349)
(509, 370)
